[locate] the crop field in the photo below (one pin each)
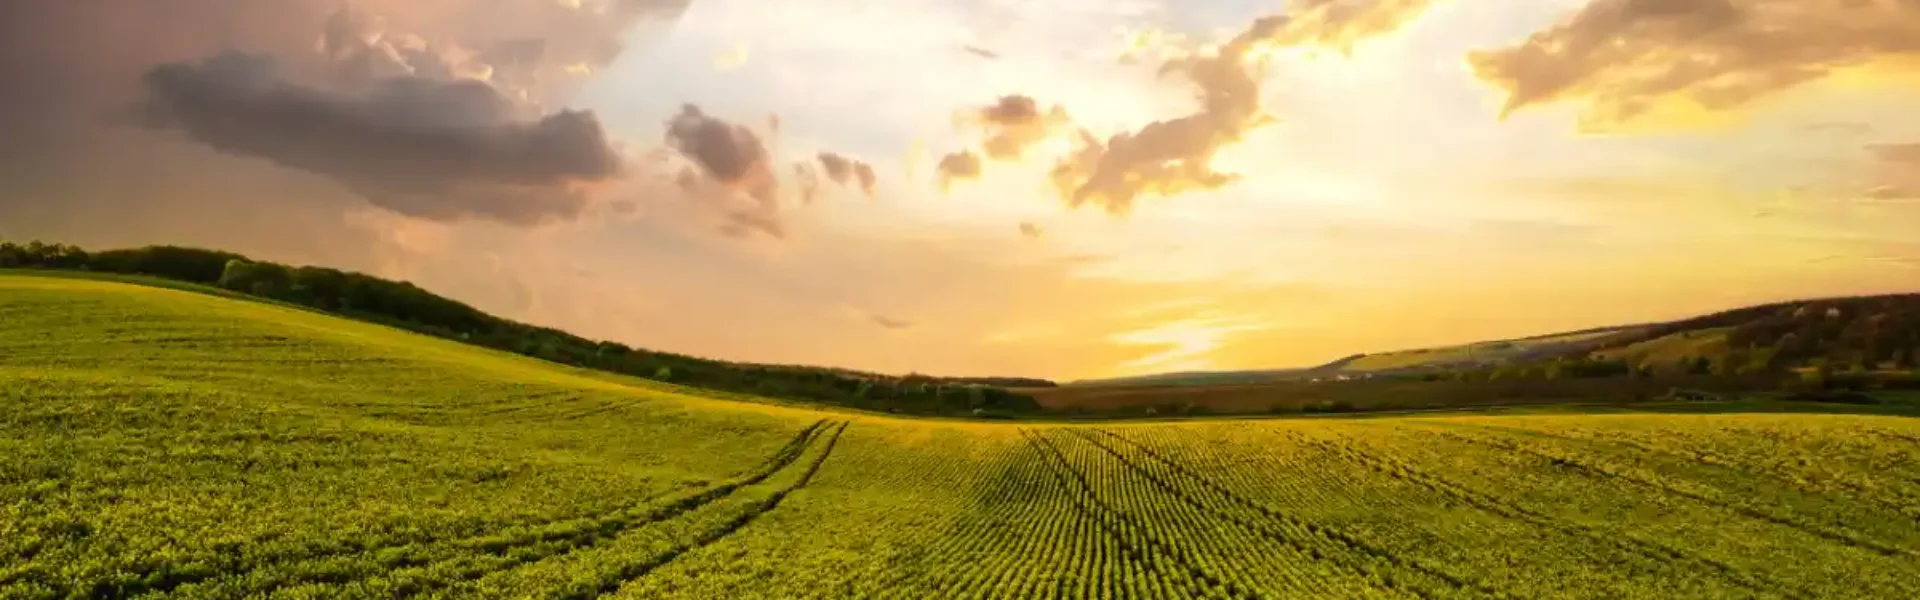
(161, 443)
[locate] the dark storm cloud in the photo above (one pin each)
(423, 147)
(1620, 58)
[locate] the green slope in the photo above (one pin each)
(162, 443)
(1478, 353)
(407, 306)
(1670, 349)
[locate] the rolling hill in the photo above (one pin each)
(166, 443)
(404, 305)
(1473, 355)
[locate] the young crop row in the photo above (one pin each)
(56, 547)
(1392, 509)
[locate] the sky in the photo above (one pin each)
(1068, 189)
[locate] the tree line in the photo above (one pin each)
(404, 305)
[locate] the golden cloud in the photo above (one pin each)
(1623, 59)
(958, 166)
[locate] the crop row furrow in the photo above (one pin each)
(1601, 470)
(1747, 469)
(1196, 580)
(1345, 545)
(1059, 549)
(1511, 510)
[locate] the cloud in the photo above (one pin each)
(1030, 231)
(727, 153)
(847, 171)
(1898, 172)
(1012, 124)
(809, 178)
(1340, 24)
(732, 168)
(729, 161)
(1623, 58)
(438, 149)
(980, 52)
(427, 108)
(886, 322)
(1173, 156)
(958, 166)
(1015, 123)
(1906, 155)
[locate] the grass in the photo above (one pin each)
(1667, 350)
(162, 443)
(1475, 352)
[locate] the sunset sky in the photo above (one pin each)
(1066, 189)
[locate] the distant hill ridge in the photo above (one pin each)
(404, 305)
(1858, 333)
(1866, 333)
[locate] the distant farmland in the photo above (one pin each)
(164, 443)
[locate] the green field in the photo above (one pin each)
(166, 443)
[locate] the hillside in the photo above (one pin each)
(401, 304)
(1473, 355)
(1870, 333)
(163, 443)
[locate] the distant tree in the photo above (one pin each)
(263, 279)
(197, 265)
(1730, 363)
(1700, 365)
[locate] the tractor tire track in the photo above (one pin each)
(634, 572)
(563, 535)
(611, 529)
